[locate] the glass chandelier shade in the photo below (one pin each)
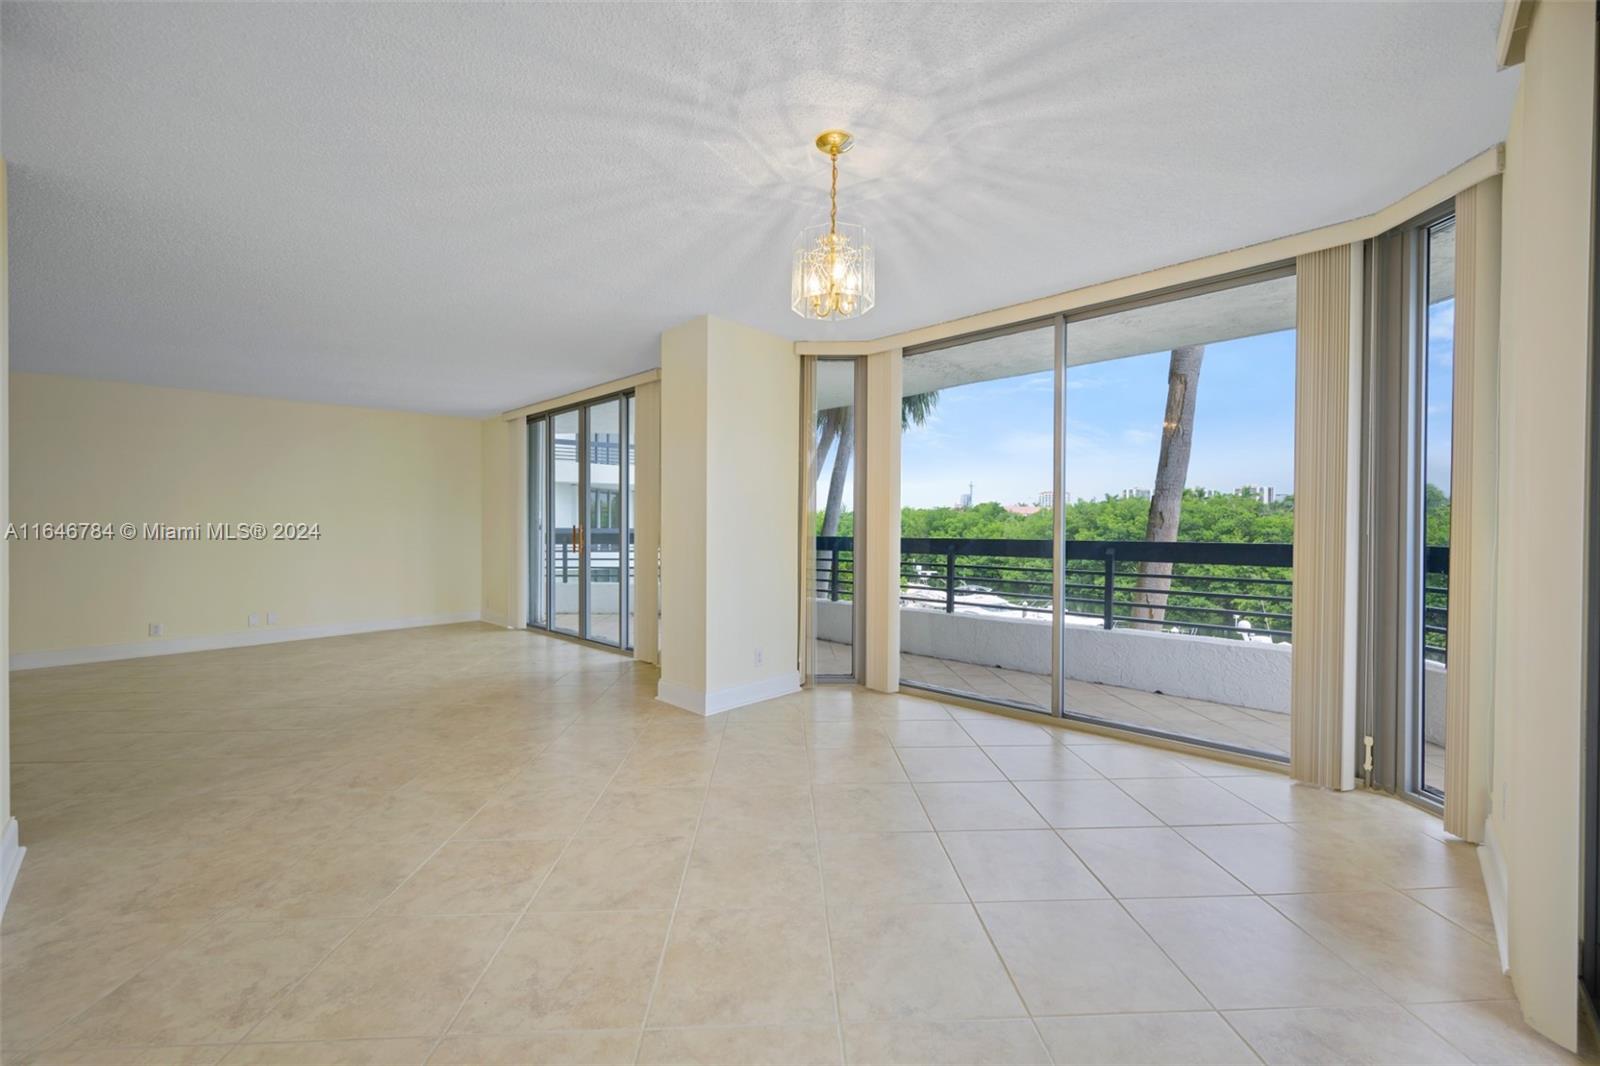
(834, 274)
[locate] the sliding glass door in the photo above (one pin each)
(976, 484)
(1410, 384)
(836, 441)
(538, 522)
(566, 553)
(1179, 515)
(1438, 408)
(1087, 531)
(603, 514)
(580, 522)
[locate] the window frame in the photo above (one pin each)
(1062, 323)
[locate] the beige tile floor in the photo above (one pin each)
(464, 844)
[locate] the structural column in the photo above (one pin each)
(1326, 516)
(730, 464)
(880, 560)
(1469, 681)
(647, 521)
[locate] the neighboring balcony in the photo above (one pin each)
(1185, 638)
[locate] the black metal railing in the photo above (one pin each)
(604, 449)
(1435, 603)
(605, 550)
(836, 569)
(1229, 590)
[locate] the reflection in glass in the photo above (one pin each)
(1438, 408)
(977, 472)
(603, 535)
(1179, 516)
(834, 441)
(565, 566)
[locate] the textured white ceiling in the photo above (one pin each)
(462, 208)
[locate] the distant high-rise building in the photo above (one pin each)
(1135, 494)
(1266, 494)
(1046, 498)
(966, 498)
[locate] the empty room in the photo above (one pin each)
(492, 573)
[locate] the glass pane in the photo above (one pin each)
(977, 470)
(629, 406)
(538, 524)
(1179, 516)
(564, 564)
(603, 539)
(1438, 392)
(835, 496)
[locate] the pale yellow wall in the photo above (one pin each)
(683, 505)
(753, 495)
(497, 521)
(398, 498)
(1536, 815)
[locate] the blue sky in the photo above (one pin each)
(1440, 385)
(997, 434)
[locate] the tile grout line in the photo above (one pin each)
(39, 1045)
(444, 1033)
(822, 883)
(599, 711)
(357, 924)
(217, 920)
(1016, 988)
(683, 879)
(1123, 907)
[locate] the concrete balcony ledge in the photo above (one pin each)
(1243, 673)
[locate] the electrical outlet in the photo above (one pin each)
(272, 618)
(255, 620)
(758, 656)
(156, 629)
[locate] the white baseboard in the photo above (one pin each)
(11, 853)
(33, 660)
(496, 619)
(1494, 884)
(690, 699)
(709, 703)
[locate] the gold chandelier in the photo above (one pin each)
(834, 272)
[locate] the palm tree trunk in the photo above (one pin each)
(1172, 473)
(827, 431)
(841, 467)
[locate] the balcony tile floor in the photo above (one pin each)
(464, 844)
(1221, 723)
(1218, 723)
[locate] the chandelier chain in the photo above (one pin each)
(833, 195)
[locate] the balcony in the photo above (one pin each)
(1201, 650)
